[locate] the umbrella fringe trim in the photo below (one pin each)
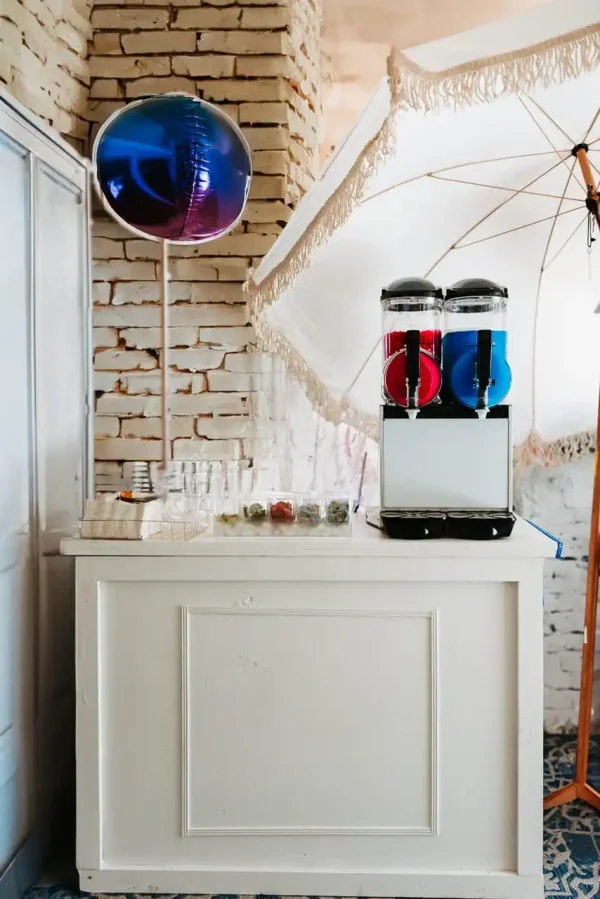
(550, 62)
(549, 453)
(337, 411)
(542, 65)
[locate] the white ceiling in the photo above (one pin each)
(358, 35)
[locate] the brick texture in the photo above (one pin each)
(43, 60)
(560, 501)
(259, 61)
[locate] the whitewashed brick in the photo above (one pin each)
(124, 360)
(144, 86)
(211, 314)
(205, 66)
(266, 211)
(226, 380)
(129, 19)
(217, 293)
(230, 245)
(127, 317)
(103, 248)
(265, 67)
(201, 19)
(227, 337)
(269, 113)
(123, 270)
(243, 42)
(149, 292)
(271, 162)
(129, 66)
(117, 404)
(160, 42)
(231, 269)
(105, 337)
(134, 449)
(106, 43)
(101, 292)
(236, 91)
(105, 227)
(142, 383)
(268, 187)
(223, 426)
(105, 380)
(192, 270)
(106, 89)
(152, 427)
(240, 362)
(199, 383)
(200, 449)
(271, 18)
(106, 426)
(207, 404)
(109, 469)
(267, 138)
(150, 338)
(196, 360)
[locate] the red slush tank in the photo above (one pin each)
(412, 342)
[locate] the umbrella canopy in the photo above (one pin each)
(461, 166)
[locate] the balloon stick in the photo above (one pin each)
(164, 323)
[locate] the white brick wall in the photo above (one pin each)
(43, 60)
(559, 499)
(258, 60)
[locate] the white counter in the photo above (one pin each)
(311, 716)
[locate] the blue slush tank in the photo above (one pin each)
(474, 348)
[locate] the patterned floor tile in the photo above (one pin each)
(571, 835)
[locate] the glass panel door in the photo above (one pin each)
(60, 296)
(17, 571)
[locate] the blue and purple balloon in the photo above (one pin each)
(173, 167)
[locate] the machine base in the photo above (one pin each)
(431, 525)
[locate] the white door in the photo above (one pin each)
(17, 580)
(44, 364)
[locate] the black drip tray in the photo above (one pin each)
(479, 525)
(413, 525)
(431, 525)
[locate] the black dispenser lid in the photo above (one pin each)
(412, 287)
(475, 287)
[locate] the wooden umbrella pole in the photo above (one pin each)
(164, 323)
(586, 170)
(589, 626)
(580, 788)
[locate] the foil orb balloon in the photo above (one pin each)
(173, 167)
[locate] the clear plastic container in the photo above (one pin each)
(338, 510)
(310, 510)
(256, 510)
(475, 304)
(474, 348)
(412, 323)
(282, 509)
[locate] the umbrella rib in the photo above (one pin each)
(568, 240)
(462, 165)
(548, 218)
(550, 119)
(536, 308)
(592, 123)
(489, 215)
(537, 124)
(512, 190)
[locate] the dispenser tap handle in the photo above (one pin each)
(413, 367)
(484, 366)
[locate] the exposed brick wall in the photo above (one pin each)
(43, 60)
(259, 61)
(559, 500)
